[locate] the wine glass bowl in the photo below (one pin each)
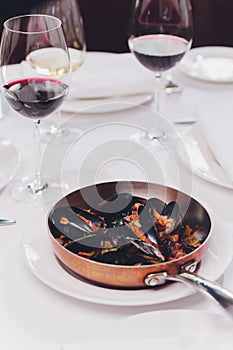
(160, 33)
(30, 92)
(35, 98)
(72, 23)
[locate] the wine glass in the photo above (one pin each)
(29, 91)
(160, 33)
(69, 13)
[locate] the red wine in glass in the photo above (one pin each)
(35, 97)
(159, 52)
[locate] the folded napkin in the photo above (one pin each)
(110, 74)
(216, 126)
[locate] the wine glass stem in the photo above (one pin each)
(36, 185)
(158, 91)
(156, 133)
(56, 128)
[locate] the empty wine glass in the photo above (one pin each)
(69, 13)
(160, 33)
(28, 91)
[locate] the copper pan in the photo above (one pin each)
(116, 276)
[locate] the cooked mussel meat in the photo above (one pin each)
(192, 238)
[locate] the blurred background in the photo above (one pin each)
(106, 21)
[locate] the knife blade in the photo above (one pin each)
(6, 222)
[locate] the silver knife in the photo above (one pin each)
(184, 121)
(148, 94)
(6, 222)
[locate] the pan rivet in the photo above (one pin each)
(151, 280)
(155, 279)
(190, 266)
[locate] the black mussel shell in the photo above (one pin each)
(147, 219)
(117, 233)
(148, 249)
(166, 245)
(150, 205)
(171, 210)
(85, 244)
(118, 206)
(127, 255)
(65, 221)
(97, 221)
(146, 213)
(76, 247)
(117, 256)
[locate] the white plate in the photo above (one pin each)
(43, 264)
(104, 80)
(9, 161)
(108, 104)
(204, 163)
(209, 63)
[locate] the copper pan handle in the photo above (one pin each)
(213, 290)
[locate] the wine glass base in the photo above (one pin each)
(55, 134)
(155, 136)
(50, 191)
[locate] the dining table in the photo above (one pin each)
(107, 114)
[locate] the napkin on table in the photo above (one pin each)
(216, 126)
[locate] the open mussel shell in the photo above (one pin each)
(148, 249)
(172, 211)
(81, 231)
(75, 225)
(126, 255)
(147, 219)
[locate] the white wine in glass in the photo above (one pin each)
(72, 23)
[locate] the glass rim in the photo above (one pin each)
(58, 25)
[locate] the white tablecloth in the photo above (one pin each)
(34, 316)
